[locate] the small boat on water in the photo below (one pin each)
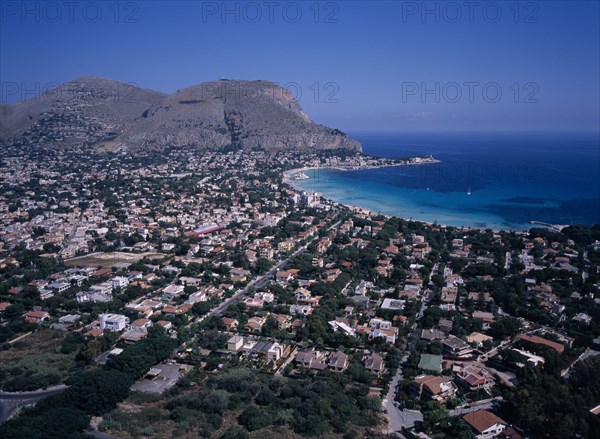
(469, 191)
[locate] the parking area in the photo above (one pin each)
(161, 377)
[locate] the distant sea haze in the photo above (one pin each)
(495, 180)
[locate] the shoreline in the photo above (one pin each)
(429, 160)
(296, 186)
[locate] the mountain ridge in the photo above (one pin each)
(106, 115)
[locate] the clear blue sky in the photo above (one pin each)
(370, 61)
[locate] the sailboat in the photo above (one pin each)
(469, 191)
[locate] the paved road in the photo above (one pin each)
(399, 419)
(100, 435)
(10, 402)
(589, 353)
(474, 407)
(260, 281)
(484, 357)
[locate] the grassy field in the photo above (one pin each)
(107, 260)
(36, 358)
(45, 341)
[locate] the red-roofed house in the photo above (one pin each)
(283, 276)
(230, 324)
(474, 378)
(141, 324)
(485, 424)
(102, 272)
(95, 332)
(539, 340)
(165, 324)
(36, 316)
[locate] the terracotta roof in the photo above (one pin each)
(432, 383)
(539, 340)
(481, 420)
(36, 314)
(96, 332)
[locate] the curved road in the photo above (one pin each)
(11, 401)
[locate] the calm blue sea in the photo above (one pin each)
(512, 179)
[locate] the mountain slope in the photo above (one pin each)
(82, 112)
(110, 115)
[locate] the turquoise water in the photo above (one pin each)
(512, 179)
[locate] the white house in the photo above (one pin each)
(103, 288)
(59, 287)
(266, 297)
(113, 322)
(173, 290)
(119, 282)
(235, 343)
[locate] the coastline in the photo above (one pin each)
(412, 161)
(296, 186)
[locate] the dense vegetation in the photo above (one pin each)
(257, 401)
(543, 402)
(92, 393)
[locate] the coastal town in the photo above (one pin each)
(205, 294)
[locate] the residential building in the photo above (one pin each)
(230, 324)
(235, 343)
(474, 378)
(311, 359)
(36, 316)
(535, 339)
(173, 290)
(456, 348)
(477, 338)
(374, 363)
(338, 362)
(485, 424)
(263, 350)
(141, 324)
(255, 324)
(104, 288)
(134, 335)
(119, 282)
(440, 388)
(113, 322)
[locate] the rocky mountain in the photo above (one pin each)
(108, 115)
(82, 112)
